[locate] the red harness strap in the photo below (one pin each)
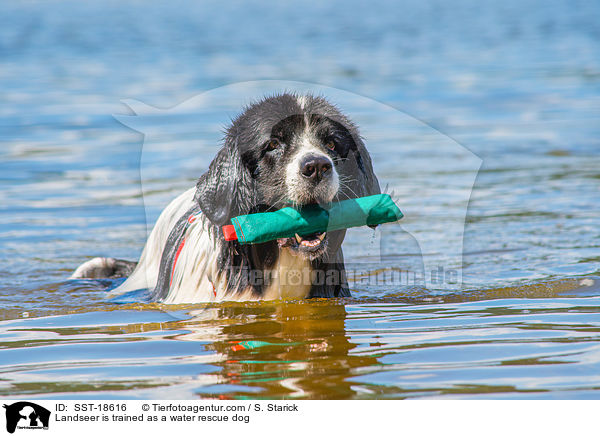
(175, 260)
(190, 221)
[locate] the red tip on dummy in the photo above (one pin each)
(229, 233)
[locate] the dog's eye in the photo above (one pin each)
(272, 144)
(330, 144)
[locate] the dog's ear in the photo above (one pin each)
(365, 166)
(358, 163)
(227, 189)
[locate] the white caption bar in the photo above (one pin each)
(41, 417)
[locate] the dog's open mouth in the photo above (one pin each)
(312, 245)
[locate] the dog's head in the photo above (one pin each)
(287, 150)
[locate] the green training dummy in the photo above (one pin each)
(285, 223)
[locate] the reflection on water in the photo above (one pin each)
(515, 83)
(285, 351)
(511, 347)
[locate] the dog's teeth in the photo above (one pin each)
(310, 242)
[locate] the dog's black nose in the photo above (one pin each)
(315, 167)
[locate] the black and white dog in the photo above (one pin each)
(284, 150)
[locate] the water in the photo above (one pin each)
(512, 87)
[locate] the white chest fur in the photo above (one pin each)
(291, 278)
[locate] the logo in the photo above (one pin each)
(26, 415)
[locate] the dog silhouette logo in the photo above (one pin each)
(26, 415)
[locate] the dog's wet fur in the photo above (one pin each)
(286, 150)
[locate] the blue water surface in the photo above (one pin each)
(503, 97)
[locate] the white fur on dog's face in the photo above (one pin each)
(299, 190)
